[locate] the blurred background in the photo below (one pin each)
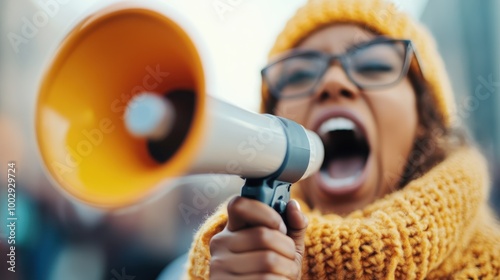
(58, 238)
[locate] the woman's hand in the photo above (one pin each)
(256, 244)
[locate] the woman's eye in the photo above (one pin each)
(373, 68)
(298, 77)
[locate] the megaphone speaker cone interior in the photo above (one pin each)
(150, 116)
(105, 61)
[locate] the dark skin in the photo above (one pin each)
(254, 244)
(389, 115)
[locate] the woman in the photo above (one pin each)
(400, 195)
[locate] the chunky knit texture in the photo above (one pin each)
(382, 17)
(437, 227)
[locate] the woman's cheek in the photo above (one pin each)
(295, 110)
(398, 121)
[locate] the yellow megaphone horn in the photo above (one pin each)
(123, 106)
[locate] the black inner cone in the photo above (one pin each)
(184, 102)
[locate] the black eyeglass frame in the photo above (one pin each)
(410, 53)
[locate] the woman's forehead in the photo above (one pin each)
(336, 38)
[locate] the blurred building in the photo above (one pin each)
(468, 35)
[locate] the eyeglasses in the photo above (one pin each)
(376, 64)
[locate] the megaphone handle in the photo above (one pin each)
(269, 191)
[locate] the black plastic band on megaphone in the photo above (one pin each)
(297, 154)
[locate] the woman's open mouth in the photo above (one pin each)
(347, 151)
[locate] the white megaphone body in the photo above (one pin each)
(125, 105)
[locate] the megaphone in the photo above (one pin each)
(125, 104)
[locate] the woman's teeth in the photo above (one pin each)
(334, 124)
(346, 150)
(338, 182)
(337, 124)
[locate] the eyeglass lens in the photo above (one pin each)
(373, 65)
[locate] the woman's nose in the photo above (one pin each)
(336, 85)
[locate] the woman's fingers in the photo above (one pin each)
(297, 225)
(262, 238)
(245, 212)
(253, 239)
(255, 244)
(254, 263)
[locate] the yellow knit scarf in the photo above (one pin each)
(437, 227)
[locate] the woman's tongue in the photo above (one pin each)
(345, 167)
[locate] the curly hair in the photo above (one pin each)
(434, 140)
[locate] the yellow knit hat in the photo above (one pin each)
(379, 16)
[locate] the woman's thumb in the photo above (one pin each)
(296, 223)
